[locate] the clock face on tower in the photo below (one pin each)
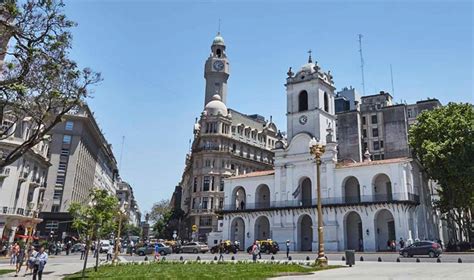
(218, 65)
(303, 119)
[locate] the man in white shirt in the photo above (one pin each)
(39, 260)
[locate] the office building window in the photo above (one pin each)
(67, 139)
(208, 163)
(69, 125)
(195, 184)
(205, 221)
(211, 204)
(363, 120)
(204, 205)
(212, 183)
(64, 152)
(221, 186)
(375, 132)
(193, 206)
(374, 119)
(364, 133)
(381, 144)
(221, 203)
(52, 225)
(57, 194)
(365, 146)
(206, 183)
(376, 145)
(55, 208)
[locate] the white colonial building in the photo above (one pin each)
(365, 203)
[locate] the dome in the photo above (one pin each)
(216, 106)
(218, 40)
(308, 67)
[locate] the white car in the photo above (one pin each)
(104, 246)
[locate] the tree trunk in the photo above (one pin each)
(88, 246)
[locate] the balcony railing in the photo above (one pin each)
(330, 201)
(16, 211)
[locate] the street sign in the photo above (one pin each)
(175, 235)
(194, 228)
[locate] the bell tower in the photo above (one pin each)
(216, 71)
(310, 101)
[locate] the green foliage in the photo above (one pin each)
(195, 270)
(96, 219)
(443, 141)
(159, 209)
(168, 222)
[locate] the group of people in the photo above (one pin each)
(34, 259)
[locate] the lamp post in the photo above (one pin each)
(317, 150)
(122, 212)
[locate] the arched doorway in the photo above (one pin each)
(262, 228)
(382, 188)
(262, 197)
(238, 198)
(237, 232)
(351, 189)
(305, 233)
(384, 229)
(353, 232)
(306, 192)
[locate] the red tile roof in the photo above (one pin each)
(374, 162)
(254, 174)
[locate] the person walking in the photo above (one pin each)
(287, 249)
(83, 251)
(259, 251)
(20, 257)
(28, 265)
(39, 260)
(109, 253)
(221, 251)
(131, 247)
(254, 251)
(401, 243)
(13, 253)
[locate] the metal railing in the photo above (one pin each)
(346, 200)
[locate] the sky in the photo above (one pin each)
(152, 53)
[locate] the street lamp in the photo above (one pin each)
(317, 150)
(122, 212)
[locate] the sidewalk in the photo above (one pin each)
(392, 271)
(51, 271)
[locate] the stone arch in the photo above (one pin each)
(351, 190)
(303, 101)
(239, 198)
(384, 225)
(237, 231)
(305, 189)
(305, 233)
(353, 231)
(262, 197)
(262, 228)
(382, 187)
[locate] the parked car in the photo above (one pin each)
(429, 248)
(266, 246)
(150, 249)
(78, 247)
(228, 247)
(194, 247)
(104, 246)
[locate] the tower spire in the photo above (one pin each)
(219, 27)
(310, 60)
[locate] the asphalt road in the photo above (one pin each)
(373, 257)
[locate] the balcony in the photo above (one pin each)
(16, 211)
(327, 202)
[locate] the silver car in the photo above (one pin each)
(194, 247)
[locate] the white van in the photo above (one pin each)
(104, 246)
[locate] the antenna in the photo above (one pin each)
(121, 152)
(391, 77)
(361, 64)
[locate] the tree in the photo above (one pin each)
(443, 141)
(39, 83)
(96, 219)
(169, 222)
(159, 209)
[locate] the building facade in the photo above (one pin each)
(226, 143)
(125, 195)
(365, 203)
(81, 159)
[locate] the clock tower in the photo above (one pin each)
(310, 101)
(216, 71)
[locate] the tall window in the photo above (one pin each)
(212, 183)
(204, 202)
(221, 186)
(375, 132)
(195, 184)
(69, 125)
(67, 139)
(303, 101)
(206, 183)
(326, 102)
(374, 119)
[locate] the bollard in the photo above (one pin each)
(163, 259)
(361, 258)
(307, 258)
(289, 258)
(181, 258)
(438, 260)
(379, 259)
(146, 258)
(343, 258)
(273, 258)
(215, 258)
(417, 260)
(459, 260)
(398, 259)
(233, 258)
(198, 258)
